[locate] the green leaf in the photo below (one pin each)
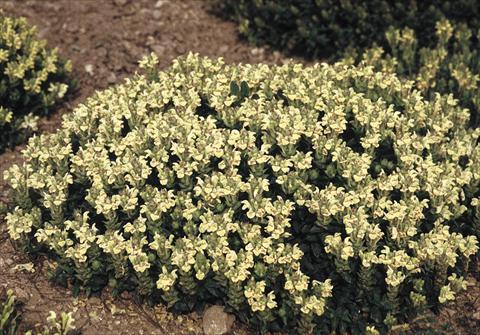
(76, 290)
(234, 89)
(244, 89)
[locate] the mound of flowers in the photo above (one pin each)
(32, 79)
(317, 198)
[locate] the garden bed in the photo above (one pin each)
(104, 40)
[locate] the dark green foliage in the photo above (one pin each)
(325, 28)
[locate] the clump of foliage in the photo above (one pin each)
(9, 319)
(452, 64)
(32, 79)
(324, 28)
(317, 198)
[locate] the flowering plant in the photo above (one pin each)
(451, 65)
(10, 316)
(32, 79)
(317, 198)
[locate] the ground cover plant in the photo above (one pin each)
(32, 79)
(452, 65)
(10, 317)
(311, 198)
(325, 28)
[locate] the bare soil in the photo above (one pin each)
(105, 39)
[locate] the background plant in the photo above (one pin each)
(32, 79)
(311, 198)
(10, 317)
(325, 28)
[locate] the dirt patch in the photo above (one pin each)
(96, 315)
(105, 39)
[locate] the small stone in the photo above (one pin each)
(160, 3)
(158, 49)
(89, 69)
(53, 6)
(43, 32)
(94, 301)
(112, 78)
(150, 40)
(157, 14)
(257, 51)
(223, 49)
(471, 281)
(71, 28)
(127, 45)
(21, 294)
(216, 321)
(180, 49)
(117, 66)
(102, 52)
(120, 2)
(476, 315)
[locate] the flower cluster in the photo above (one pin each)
(314, 195)
(452, 65)
(32, 79)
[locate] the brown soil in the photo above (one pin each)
(105, 39)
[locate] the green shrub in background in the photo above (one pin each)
(32, 79)
(316, 198)
(9, 319)
(324, 28)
